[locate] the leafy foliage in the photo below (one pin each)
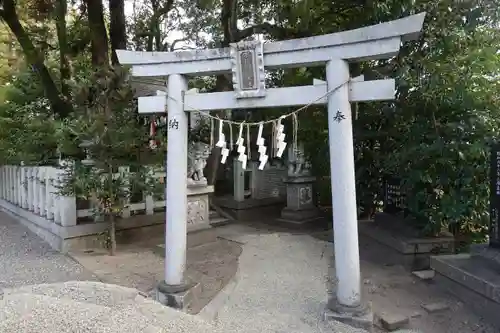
(107, 127)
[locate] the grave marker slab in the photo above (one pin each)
(394, 198)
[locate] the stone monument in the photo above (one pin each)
(300, 209)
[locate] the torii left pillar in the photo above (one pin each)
(176, 291)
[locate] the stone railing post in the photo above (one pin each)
(29, 188)
(124, 174)
(66, 204)
(24, 187)
(50, 191)
(9, 183)
(2, 182)
(18, 186)
(5, 180)
(36, 193)
(42, 184)
(148, 197)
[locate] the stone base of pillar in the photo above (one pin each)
(300, 209)
(358, 317)
(178, 296)
(298, 219)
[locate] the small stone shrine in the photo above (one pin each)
(300, 208)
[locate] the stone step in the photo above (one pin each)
(425, 275)
(217, 219)
(475, 280)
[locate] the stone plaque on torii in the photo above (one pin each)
(247, 62)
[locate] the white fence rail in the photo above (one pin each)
(35, 189)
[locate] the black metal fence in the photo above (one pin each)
(494, 229)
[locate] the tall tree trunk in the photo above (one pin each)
(111, 216)
(229, 18)
(117, 29)
(62, 37)
(231, 34)
(98, 33)
(9, 14)
(154, 33)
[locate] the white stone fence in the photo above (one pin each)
(35, 190)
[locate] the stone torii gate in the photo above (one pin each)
(247, 62)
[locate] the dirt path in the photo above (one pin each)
(138, 266)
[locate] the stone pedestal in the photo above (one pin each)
(198, 217)
(360, 316)
(178, 296)
(300, 209)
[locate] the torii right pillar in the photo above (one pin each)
(345, 305)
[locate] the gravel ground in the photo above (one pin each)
(138, 266)
(283, 281)
(87, 307)
(25, 259)
(282, 285)
(275, 292)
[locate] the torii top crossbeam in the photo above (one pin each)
(373, 42)
(380, 41)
